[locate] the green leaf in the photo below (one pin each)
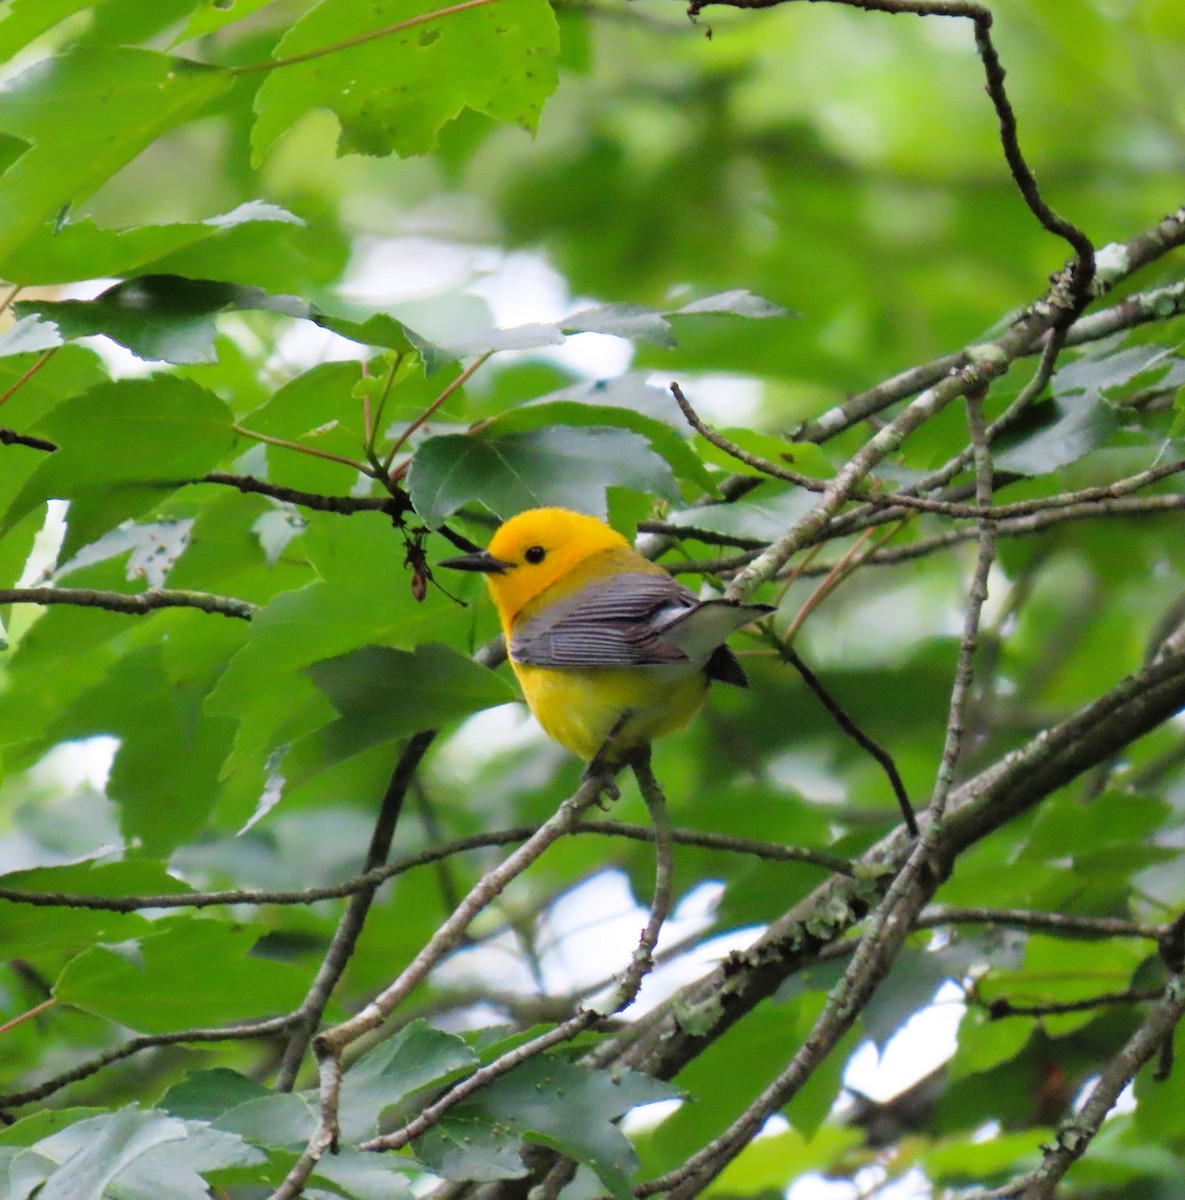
(39, 1125)
(640, 323)
(121, 447)
(984, 1043)
(364, 1176)
(772, 1162)
(157, 719)
(205, 1095)
(515, 471)
(133, 1155)
(961, 1160)
(190, 972)
(662, 438)
(1101, 373)
(396, 92)
(30, 930)
(1057, 970)
(94, 877)
(377, 330)
(735, 303)
(415, 1058)
(171, 318)
(159, 317)
(84, 115)
(765, 513)
(111, 1143)
(211, 15)
(27, 20)
(1067, 430)
(633, 321)
(803, 457)
(362, 598)
(284, 1119)
(81, 250)
(381, 693)
(316, 409)
(554, 1103)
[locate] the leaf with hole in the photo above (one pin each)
(394, 91)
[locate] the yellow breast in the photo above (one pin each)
(580, 708)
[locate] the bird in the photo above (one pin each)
(610, 651)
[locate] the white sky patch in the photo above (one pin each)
(46, 545)
(587, 937)
(406, 268)
(72, 765)
(590, 932)
(303, 345)
(925, 1042)
(719, 399)
(816, 1187)
(486, 734)
(520, 287)
(649, 1116)
(1124, 1103)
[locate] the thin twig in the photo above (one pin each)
(345, 505)
(1049, 922)
(847, 564)
(883, 758)
(330, 1044)
(299, 448)
(754, 461)
(1156, 304)
(766, 851)
(1075, 1135)
(623, 994)
(137, 603)
(345, 936)
(29, 1014)
(460, 380)
(1021, 527)
(230, 1033)
(976, 597)
(13, 388)
(999, 1009)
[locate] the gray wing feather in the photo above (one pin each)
(617, 623)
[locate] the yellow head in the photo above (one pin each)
(532, 551)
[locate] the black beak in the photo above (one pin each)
(479, 560)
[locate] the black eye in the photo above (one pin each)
(535, 554)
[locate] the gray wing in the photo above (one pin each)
(616, 623)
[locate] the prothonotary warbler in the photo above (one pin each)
(603, 641)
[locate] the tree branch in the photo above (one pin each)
(137, 603)
(330, 1044)
(624, 993)
(1075, 1135)
(229, 1033)
(308, 1016)
(767, 851)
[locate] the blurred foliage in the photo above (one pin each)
(777, 208)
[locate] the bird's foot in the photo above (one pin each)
(601, 774)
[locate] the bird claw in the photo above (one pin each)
(608, 791)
